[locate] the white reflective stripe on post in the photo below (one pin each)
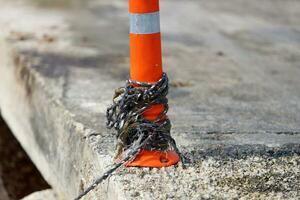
(144, 23)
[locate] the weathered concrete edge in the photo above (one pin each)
(40, 94)
(37, 117)
(48, 194)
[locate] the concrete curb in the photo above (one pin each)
(53, 96)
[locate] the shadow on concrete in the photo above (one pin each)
(19, 175)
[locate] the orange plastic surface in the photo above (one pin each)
(143, 6)
(155, 159)
(146, 66)
(152, 113)
(145, 57)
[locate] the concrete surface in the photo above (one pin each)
(234, 100)
(42, 195)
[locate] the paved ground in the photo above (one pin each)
(234, 100)
(241, 60)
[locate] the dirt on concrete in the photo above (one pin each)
(19, 175)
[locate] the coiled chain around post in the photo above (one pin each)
(134, 132)
(126, 115)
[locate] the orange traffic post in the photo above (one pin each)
(140, 107)
(146, 66)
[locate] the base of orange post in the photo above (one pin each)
(154, 159)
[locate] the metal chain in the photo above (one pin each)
(126, 114)
(129, 157)
(134, 132)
